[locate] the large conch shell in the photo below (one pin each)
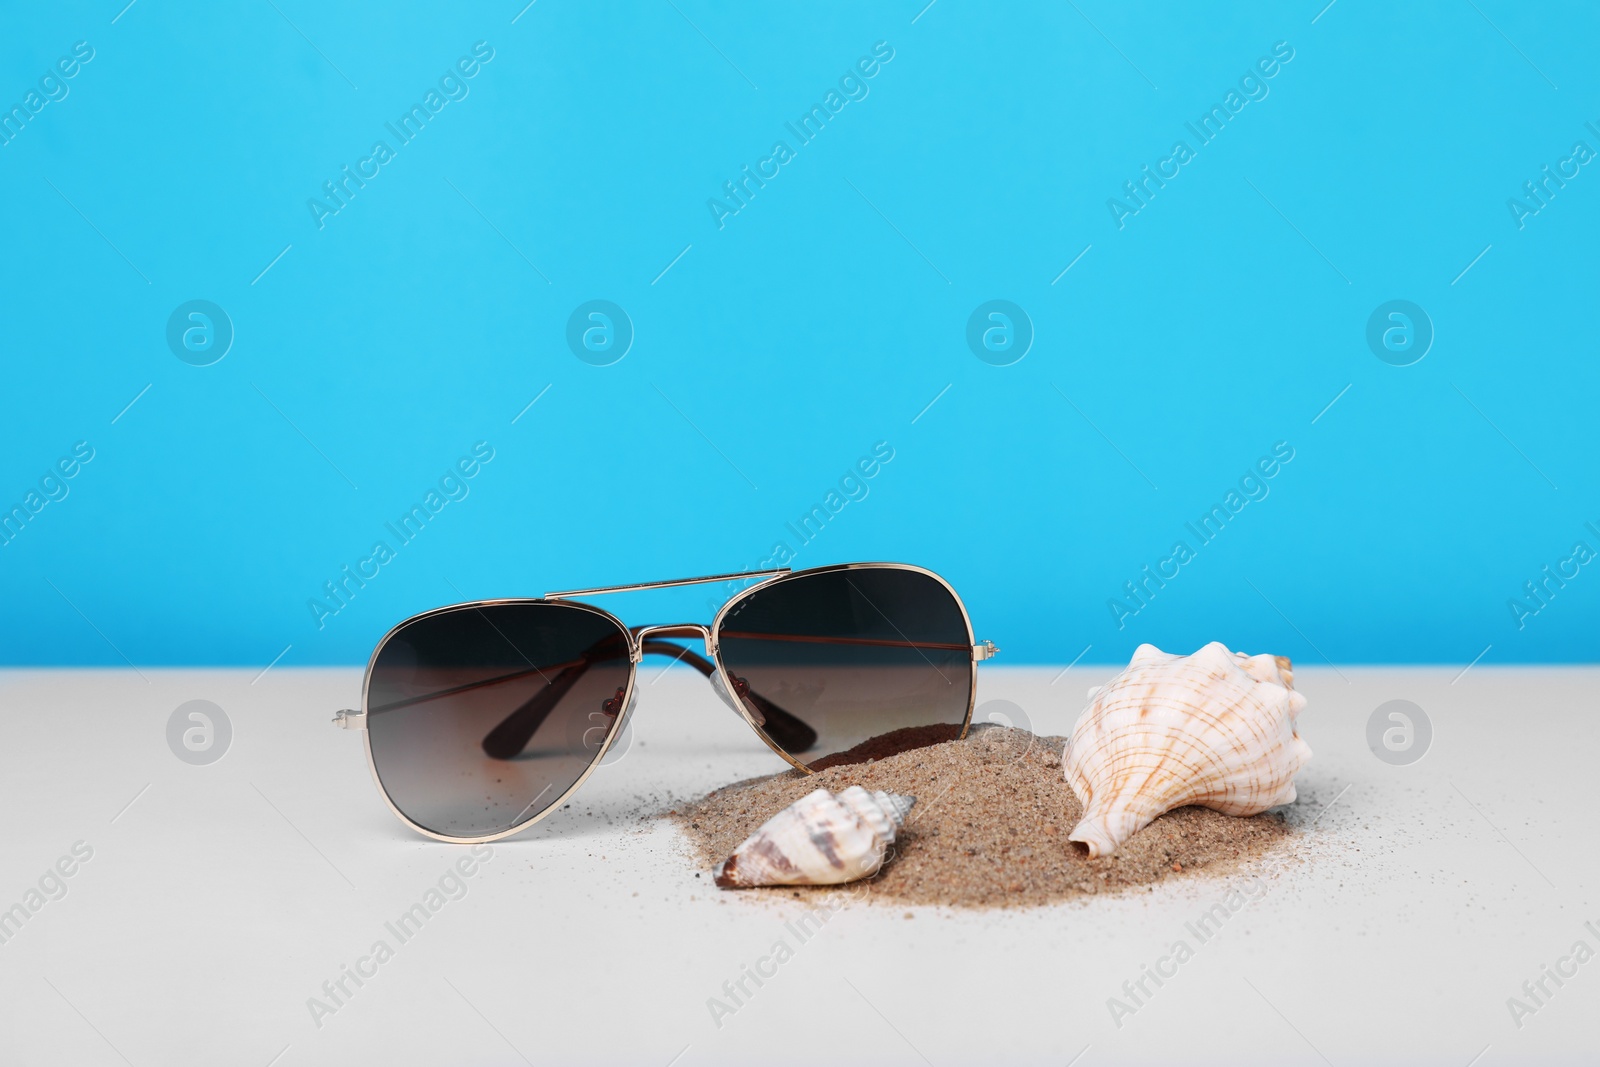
(1215, 729)
(820, 839)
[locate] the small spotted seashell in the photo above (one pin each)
(820, 839)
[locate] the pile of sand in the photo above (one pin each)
(989, 828)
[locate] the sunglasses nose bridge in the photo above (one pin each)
(672, 629)
(708, 666)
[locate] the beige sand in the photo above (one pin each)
(989, 828)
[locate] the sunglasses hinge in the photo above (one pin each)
(984, 650)
(350, 719)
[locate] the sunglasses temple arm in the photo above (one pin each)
(786, 730)
(511, 736)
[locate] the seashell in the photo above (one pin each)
(820, 839)
(1215, 729)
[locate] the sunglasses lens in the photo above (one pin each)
(479, 718)
(874, 660)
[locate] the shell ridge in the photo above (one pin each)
(1216, 728)
(820, 839)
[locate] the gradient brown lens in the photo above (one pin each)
(481, 717)
(876, 660)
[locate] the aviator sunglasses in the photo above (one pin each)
(482, 718)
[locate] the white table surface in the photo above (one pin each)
(222, 897)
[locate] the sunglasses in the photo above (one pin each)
(483, 718)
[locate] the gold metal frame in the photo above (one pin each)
(357, 720)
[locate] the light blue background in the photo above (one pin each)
(823, 317)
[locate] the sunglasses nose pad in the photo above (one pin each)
(727, 698)
(626, 715)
